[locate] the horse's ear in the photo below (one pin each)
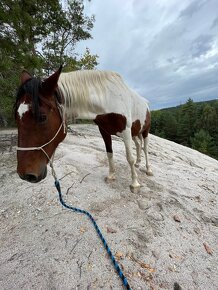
(25, 76)
(50, 84)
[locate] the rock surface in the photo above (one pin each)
(164, 237)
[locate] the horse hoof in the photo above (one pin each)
(135, 189)
(149, 172)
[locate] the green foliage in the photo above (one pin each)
(192, 124)
(203, 142)
(8, 84)
(187, 117)
(69, 27)
(87, 61)
(39, 36)
(164, 125)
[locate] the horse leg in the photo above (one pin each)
(145, 131)
(108, 145)
(127, 139)
(138, 143)
(148, 168)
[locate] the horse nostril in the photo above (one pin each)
(30, 177)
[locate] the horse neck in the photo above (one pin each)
(76, 101)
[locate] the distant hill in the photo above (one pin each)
(176, 108)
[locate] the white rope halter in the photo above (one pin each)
(62, 113)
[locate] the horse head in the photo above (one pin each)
(40, 124)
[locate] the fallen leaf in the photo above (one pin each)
(82, 230)
(145, 266)
(110, 230)
(208, 249)
(149, 277)
(151, 270)
(175, 257)
(139, 274)
(119, 255)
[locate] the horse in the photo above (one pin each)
(43, 107)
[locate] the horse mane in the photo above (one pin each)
(77, 86)
(32, 88)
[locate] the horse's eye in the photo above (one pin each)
(42, 118)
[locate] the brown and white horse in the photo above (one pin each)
(42, 107)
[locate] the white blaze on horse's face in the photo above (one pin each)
(23, 108)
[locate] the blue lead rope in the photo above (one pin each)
(117, 267)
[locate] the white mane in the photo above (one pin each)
(84, 89)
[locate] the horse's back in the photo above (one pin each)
(104, 92)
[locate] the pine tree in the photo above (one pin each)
(203, 142)
(208, 118)
(186, 122)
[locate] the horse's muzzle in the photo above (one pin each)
(33, 178)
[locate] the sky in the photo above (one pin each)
(166, 50)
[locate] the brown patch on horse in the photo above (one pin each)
(107, 140)
(136, 127)
(147, 125)
(111, 123)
